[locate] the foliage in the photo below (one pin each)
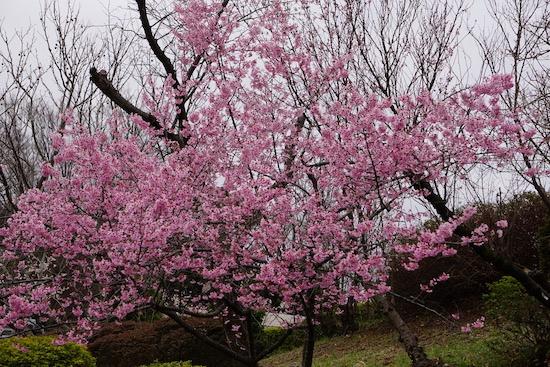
(274, 229)
(135, 206)
(543, 247)
(40, 351)
(271, 335)
(525, 214)
(524, 323)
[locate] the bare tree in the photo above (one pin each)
(38, 89)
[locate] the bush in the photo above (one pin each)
(523, 321)
(271, 335)
(525, 213)
(131, 343)
(171, 364)
(39, 351)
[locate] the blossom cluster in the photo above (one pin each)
(285, 195)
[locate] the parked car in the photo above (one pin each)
(7, 333)
(34, 327)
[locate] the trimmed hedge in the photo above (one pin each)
(39, 351)
(131, 344)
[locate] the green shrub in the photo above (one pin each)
(524, 323)
(39, 351)
(171, 364)
(271, 335)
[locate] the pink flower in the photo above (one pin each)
(20, 347)
(532, 172)
(502, 223)
(478, 324)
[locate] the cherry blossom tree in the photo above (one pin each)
(265, 178)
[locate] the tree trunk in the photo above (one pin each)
(250, 339)
(406, 336)
(309, 345)
(236, 340)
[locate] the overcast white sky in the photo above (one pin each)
(17, 14)
(20, 13)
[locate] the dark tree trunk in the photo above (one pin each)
(309, 345)
(406, 336)
(249, 334)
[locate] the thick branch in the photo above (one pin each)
(290, 154)
(536, 185)
(204, 315)
(24, 281)
(7, 190)
(182, 115)
(153, 43)
(200, 56)
(193, 331)
(104, 84)
(500, 263)
(406, 336)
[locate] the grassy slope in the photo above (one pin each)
(380, 347)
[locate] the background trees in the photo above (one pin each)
(41, 79)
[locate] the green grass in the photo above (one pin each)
(462, 350)
(380, 347)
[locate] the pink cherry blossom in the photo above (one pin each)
(283, 198)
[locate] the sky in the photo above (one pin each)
(21, 13)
